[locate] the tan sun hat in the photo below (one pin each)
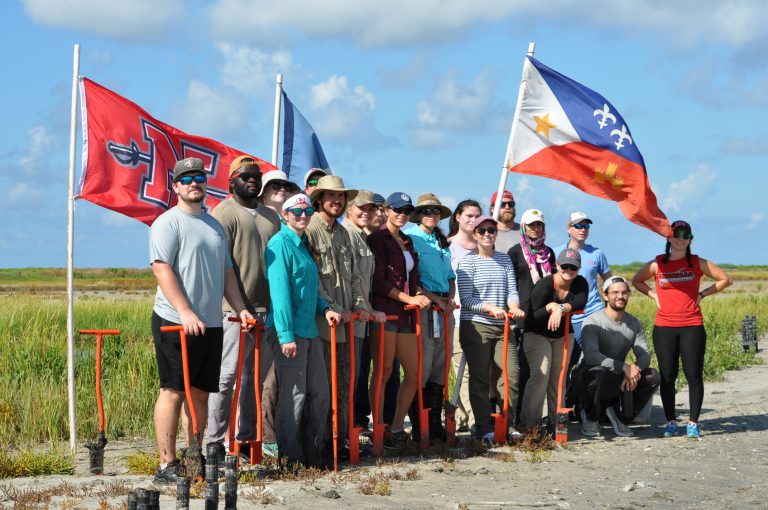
(428, 201)
(332, 183)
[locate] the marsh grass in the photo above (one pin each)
(28, 462)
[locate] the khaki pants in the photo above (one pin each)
(464, 415)
(545, 360)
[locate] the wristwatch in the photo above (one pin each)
(562, 307)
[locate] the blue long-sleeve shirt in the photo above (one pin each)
(293, 280)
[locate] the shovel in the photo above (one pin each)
(378, 426)
(423, 412)
(234, 445)
(561, 426)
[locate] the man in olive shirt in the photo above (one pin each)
(339, 284)
(249, 226)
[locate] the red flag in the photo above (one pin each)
(568, 132)
(128, 157)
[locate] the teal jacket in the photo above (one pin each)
(293, 280)
(435, 269)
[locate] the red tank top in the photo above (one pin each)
(677, 285)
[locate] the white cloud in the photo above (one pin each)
(135, 20)
(751, 146)
(209, 112)
(755, 219)
(459, 107)
(33, 155)
(251, 71)
(402, 22)
(684, 192)
(23, 193)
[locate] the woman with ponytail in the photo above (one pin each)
(678, 331)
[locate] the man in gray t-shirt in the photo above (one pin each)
(603, 373)
(509, 230)
(190, 259)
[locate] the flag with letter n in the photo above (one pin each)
(565, 131)
(128, 157)
(301, 148)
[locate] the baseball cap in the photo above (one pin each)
(378, 199)
(481, 219)
(532, 215)
(507, 195)
(296, 200)
(569, 256)
(397, 200)
(324, 171)
(243, 163)
(614, 279)
(364, 197)
(578, 217)
(186, 166)
(681, 225)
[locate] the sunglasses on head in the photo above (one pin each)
(482, 230)
(579, 226)
(186, 180)
(683, 234)
(510, 204)
(403, 210)
(569, 267)
(429, 211)
(298, 211)
(312, 182)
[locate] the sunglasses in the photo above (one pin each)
(429, 211)
(403, 210)
(683, 234)
(298, 211)
(510, 204)
(186, 180)
(312, 182)
(249, 176)
(280, 185)
(579, 226)
(569, 267)
(482, 230)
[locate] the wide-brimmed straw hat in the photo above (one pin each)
(426, 201)
(332, 183)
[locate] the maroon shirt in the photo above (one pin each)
(389, 273)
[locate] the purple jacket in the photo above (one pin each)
(389, 273)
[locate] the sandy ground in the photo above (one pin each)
(728, 468)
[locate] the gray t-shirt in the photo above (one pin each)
(506, 239)
(195, 246)
(606, 343)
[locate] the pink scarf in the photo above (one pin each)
(536, 254)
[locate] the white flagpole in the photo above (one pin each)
(515, 119)
(70, 254)
(276, 125)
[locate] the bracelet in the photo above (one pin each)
(701, 294)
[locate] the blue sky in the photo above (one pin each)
(404, 96)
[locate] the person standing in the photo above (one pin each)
(303, 393)
(604, 373)
(461, 237)
(190, 260)
(275, 190)
(249, 226)
(509, 230)
(552, 298)
(678, 331)
(340, 286)
(311, 178)
(438, 282)
(396, 283)
(593, 264)
(488, 292)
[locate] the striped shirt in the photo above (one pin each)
(485, 280)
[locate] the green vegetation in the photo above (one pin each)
(31, 463)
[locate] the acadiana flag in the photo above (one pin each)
(301, 148)
(568, 132)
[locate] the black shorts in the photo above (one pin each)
(204, 357)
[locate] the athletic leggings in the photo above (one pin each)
(671, 344)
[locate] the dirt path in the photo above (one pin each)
(728, 468)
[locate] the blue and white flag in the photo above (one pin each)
(301, 148)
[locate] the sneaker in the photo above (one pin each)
(670, 429)
(269, 449)
(618, 426)
(692, 430)
(589, 428)
(514, 436)
(168, 475)
(489, 438)
(394, 439)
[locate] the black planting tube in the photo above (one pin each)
(142, 499)
(96, 454)
(182, 492)
(230, 484)
(132, 501)
(154, 500)
(212, 477)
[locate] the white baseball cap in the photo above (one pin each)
(532, 215)
(296, 200)
(578, 217)
(324, 171)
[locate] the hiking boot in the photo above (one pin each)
(618, 426)
(692, 430)
(589, 428)
(393, 439)
(169, 474)
(670, 429)
(269, 449)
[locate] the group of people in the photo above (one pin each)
(304, 263)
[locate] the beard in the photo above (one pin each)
(506, 215)
(618, 306)
(242, 191)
